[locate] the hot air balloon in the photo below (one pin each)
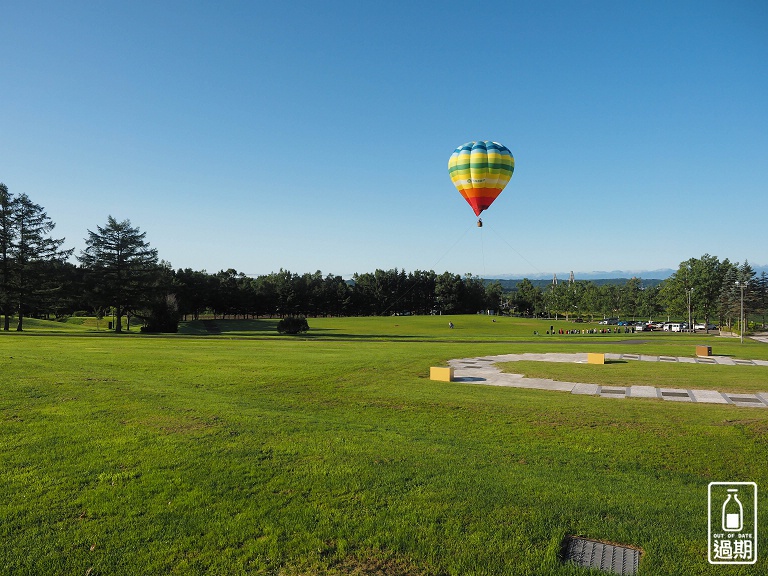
(480, 170)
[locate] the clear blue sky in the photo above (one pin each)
(308, 135)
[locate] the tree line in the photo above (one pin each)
(708, 289)
(120, 275)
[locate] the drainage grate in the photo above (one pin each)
(745, 399)
(609, 391)
(667, 359)
(744, 362)
(610, 558)
(676, 394)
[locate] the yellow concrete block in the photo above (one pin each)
(442, 374)
(593, 358)
(703, 350)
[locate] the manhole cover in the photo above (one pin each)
(610, 558)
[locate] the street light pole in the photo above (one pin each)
(689, 290)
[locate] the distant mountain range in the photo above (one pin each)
(649, 277)
(598, 275)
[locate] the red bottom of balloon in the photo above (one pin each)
(480, 198)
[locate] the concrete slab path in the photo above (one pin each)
(483, 370)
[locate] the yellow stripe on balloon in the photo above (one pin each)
(480, 171)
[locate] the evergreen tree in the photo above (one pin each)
(31, 247)
(7, 236)
(122, 267)
(762, 291)
(747, 278)
(728, 303)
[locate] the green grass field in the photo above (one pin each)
(332, 453)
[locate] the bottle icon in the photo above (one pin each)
(733, 512)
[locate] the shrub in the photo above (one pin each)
(163, 316)
(292, 325)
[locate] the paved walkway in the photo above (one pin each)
(483, 370)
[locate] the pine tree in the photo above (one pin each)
(762, 295)
(751, 291)
(728, 303)
(7, 235)
(31, 246)
(122, 266)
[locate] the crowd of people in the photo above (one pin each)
(615, 330)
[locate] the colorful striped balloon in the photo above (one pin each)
(480, 170)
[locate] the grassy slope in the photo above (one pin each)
(213, 455)
(35, 325)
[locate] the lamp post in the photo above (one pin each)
(741, 286)
(688, 291)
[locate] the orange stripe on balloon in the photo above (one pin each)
(480, 198)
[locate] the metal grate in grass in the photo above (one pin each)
(745, 399)
(675, 394)
(610, 558)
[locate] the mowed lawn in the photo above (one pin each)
(334, 454)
